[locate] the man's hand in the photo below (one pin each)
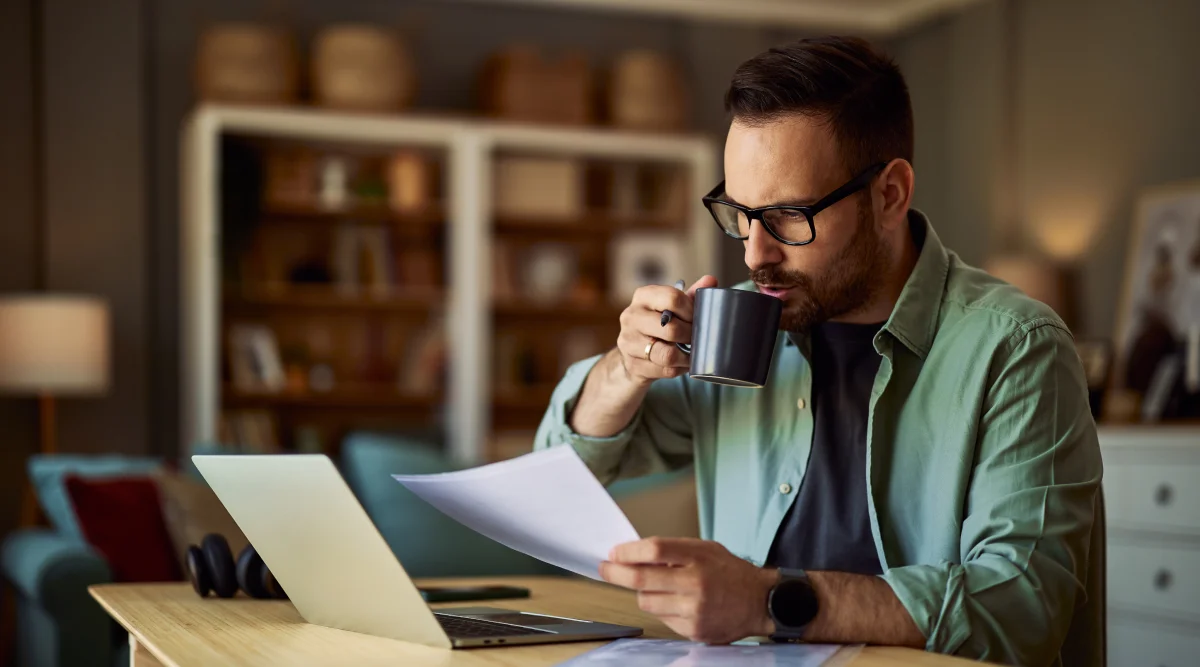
(696, 587)
(617, 384)
(641, 324)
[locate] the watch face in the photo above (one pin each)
(793, 603)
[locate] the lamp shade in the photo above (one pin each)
(1038, 278)
(53, 344)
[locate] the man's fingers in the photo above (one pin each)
(663, 354)
(656, 578)
(650, 323)
(706, 281)
(657, 551)
(664, 297)
(659, 603)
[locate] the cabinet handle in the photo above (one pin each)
(1163, 579)
(1163, 495)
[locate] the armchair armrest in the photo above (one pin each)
(51, 568)
(58, 621)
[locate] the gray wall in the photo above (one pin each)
(19, 242)
(71, 178)
(1107, 102)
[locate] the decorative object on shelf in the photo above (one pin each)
(362, 259)
(549, 271)
(646, 92)
(1096, 356)
(665, 195)
(538, 187)
(247, 63)
(254, 361)
(52, 345)
(425, 365)
(321, 378)
(623, 198)
(643, 258)
(361, 68)
(368, 188)
(410, 182)
(334, 194)
(375, 261)
(519, 83)
(1161, 299)
(251, 431)
(290, 178)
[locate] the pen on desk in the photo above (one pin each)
(667, 315)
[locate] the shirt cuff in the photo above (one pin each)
(934, 596)
(601, 454)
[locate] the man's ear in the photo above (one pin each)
(894, 189)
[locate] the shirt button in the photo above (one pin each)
(801, 404)
(785, 488)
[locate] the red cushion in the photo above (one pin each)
(121, 518)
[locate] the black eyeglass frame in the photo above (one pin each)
(850, 187)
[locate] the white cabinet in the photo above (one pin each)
(1152, 493)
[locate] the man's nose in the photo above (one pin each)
(762, 250)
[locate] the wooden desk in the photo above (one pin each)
(170, 626)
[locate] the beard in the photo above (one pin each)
(850, 282)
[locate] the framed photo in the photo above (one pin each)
(1160, 304)
(643, 258)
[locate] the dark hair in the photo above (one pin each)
(844, 81)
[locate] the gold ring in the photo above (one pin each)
(650, 347)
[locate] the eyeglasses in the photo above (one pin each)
(790, 225)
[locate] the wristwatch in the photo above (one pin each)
(792, 604)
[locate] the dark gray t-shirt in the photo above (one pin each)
(827, 526)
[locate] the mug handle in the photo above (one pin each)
(666, 318)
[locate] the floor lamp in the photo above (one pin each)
(50, 346)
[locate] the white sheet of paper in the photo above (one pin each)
(546, 504)
(678, 653)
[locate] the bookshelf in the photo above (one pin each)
(520, 292)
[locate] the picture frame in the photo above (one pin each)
(643, 258)
(1160, 294)
(255, 364)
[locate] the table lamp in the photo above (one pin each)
(1037, 277)
(53, 345)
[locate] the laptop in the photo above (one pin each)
(339, 572)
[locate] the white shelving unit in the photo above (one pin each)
(470, 147)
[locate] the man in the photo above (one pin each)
(920, 470)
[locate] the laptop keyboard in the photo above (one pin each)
(458, 626)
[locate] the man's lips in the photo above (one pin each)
(777, 291)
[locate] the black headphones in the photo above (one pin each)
(211, 567)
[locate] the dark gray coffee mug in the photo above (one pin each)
(733, 336)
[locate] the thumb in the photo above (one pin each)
(706, 281)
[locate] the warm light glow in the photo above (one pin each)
(1065, 228)
(52, 344)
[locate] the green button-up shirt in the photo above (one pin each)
(983, 467)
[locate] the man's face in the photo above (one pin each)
(795, 161)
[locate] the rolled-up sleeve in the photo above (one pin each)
(1029, 514)
(657, 439)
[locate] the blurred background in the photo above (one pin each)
(364, 226)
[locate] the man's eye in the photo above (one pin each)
(784, 215)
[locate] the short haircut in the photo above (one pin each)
(843, 81)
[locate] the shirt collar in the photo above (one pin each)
(914, 319)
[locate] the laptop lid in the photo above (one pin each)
(337, 569)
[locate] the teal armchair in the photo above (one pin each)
(57, 621)
(427, 542)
